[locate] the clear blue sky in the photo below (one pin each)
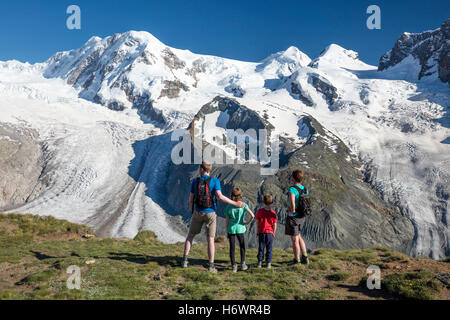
(245, 30)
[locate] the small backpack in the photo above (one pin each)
(303, 208)
(203, 197)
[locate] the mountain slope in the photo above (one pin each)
(135, 70)
(343, 202)
(427, 53)
(103, 166)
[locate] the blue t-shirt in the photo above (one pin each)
(214, 186)
(294, 191)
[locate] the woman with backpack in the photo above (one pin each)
(299, 207)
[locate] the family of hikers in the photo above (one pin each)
(206, 190)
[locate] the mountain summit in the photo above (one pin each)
(284, 63)
(335, 55)
(427, 53)
(136, 70)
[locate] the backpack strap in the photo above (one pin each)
(300, 191)
(305, 190)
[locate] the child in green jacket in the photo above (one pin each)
(236, 227)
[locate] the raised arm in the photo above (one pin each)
(227, 200)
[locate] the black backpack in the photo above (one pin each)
(303, 208)
(203, 197)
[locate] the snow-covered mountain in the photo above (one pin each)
(97, 121)
(419, 55)
(136, 70)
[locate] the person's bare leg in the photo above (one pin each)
(295, 247)
(211, 248)
(302, 245)
(188, 245)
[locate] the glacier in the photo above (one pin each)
(104, 114)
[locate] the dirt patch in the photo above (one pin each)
(8, 226)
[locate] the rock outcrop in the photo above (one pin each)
(299, 83)
(347, 213)
(172, 89)
(325, 87)
(20, 166)
(430, 48)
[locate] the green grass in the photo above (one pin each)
(40, 276)
(418, 285)
(28, 224)
(391, 256)
(338, 276)
(144, 268)
(412, 285)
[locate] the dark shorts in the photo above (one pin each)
(293, 225)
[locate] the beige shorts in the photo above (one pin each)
(199, 219)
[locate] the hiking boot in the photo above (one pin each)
(304, 260)
(259, 264)
(234, 268)
(293, 262)
(212, 268)
(269, 265)
(244, 266)
(184, 263)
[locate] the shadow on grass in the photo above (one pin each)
(375, 293)
(171, 261)
(41, 256)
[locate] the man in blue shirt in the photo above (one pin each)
(207, 216)
(294, 223)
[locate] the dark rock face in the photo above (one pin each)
(324, 86)
(147, 57)
(236, 90)
(319, 83)
(240, 116)
(431, 48)
(347, 212)
(444, 63)
(172, 89)
(145, 106)
(198, 66)
(298, 93)
(21, 166)
(172, 61)
(115, 106)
